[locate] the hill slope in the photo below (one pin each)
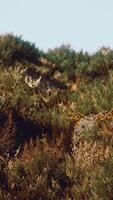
(56, 122)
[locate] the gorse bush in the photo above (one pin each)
(61, 55)
(94, 65)
(72, 64)
(14, 48)
(94, 97)
(82, 57)
(64, 58)
(82, 61)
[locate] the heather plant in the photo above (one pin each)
(47, 172)
(40, 173)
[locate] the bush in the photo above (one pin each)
(82, 57)
(14, 48)
(94, 97)
(94, 65)
(82, 62)
(64, 58)
(98, 64)
(82, 68)
(103, 184)
(40, 173)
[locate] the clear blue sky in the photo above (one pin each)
(85, 24)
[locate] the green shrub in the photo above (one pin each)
(82, 57)
(103, 182)
(64, 58)
(94, 97)
(82, 68)
(98, 64)
(82, 61)
(14, 48)
(94, 65)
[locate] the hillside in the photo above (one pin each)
(56, 122)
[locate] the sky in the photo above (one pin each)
(84, 24)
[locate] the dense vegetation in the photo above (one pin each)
(56, 122)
